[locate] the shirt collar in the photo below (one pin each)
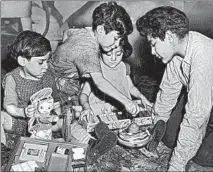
(187, 57)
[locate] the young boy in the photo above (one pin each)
(117, 73)
(189, 59)
(79, 54)
(32, 51)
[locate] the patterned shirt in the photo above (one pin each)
(79, 53)
(18, 90)
(195, 71)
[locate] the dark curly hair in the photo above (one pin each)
(159, 20)
(29, 44)
(126, 46)
(113, 17)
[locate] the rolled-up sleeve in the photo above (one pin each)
(198, 108)
(167, 96)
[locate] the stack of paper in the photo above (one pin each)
(26, 166)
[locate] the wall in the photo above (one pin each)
(200, 14)
(78, 14)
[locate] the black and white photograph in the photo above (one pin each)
(33, 152)
(131, 83)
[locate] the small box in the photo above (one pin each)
(144, 118)
(118, 124)
(42, 152)
(57, 162)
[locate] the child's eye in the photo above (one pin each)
(108, 54)
(40, 63)
(119, 53)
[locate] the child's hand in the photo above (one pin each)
(132, 108)
(88, 115)
(30, 111)
(146, 102)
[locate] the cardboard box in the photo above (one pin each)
(113, 123)
(118, 124)
(43, 154)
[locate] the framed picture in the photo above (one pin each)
(33, 152)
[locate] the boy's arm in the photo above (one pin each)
(11, 99)
(197, 109)
(136, 93)
(169, 91)
(84, 96)
(15, 111)
(110, 90)
(84, 101)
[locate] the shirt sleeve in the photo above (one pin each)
(198, 109)
(61, 62)
(78, 53)
(169, 91)
(10, 95)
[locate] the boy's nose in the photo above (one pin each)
(45, 65)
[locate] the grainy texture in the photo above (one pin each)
(120, 158)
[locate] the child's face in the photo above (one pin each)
(109, 41)
(37, 66)
(113, 58)
(161, 49)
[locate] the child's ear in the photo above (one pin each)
(169, 36)
(100, 30)
(21, 61)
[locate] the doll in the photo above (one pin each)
(41, 123)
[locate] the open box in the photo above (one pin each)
(118, 124)
(144, 119)
(43, 154)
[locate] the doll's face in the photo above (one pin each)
(45, 106)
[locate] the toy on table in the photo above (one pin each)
(41, 123)
(114, 123)
(134, 135)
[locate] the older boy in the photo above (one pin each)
(79, 54)
(189, 59)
